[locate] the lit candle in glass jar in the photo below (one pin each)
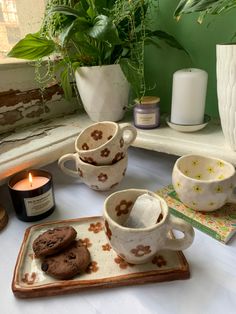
(30, 183)
(32, 194)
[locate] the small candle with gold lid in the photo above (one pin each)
(32, 194)
(147, 112)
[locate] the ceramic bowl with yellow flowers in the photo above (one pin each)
(204, 183)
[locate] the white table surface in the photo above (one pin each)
(211, 288)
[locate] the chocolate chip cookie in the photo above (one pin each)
(68, 263)
(53, 241)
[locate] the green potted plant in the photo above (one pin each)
(225, 64)
(101, 44)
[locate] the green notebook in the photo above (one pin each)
(220, 224)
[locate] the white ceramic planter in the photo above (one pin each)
(104, 91)
(226, 91)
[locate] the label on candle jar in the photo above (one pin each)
(39, 204)
(145, 118)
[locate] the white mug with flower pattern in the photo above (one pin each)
(100, 178)
(140, 245)
(105, 143)
(204, 183)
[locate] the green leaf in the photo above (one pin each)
(189, 6)
(132, 75)
(104, 29)
(32, 47)
(207, 6)
(75, 65)
(65, 82)
(170, 40)
(92, 12)
(63, 9)
(78, 25)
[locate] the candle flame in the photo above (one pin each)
(30, 179)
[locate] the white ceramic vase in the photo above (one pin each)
(226, 91)
(104, 91)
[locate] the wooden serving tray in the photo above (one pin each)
(106, 269)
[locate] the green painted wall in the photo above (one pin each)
(199, 40)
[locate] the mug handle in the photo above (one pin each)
(132, 134)
(182, 243)
(63, 160)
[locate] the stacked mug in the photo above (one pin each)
(101, 155)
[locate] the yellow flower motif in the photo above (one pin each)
(211, 204)
(178, 184)
(220, 164)
(186, 172)
(197, 188)
(194, 203)
(210, 170)
(221, 177)
(219, 189)
(198, 176)
(195, 162)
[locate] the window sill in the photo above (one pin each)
(43, 143)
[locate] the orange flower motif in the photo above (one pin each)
(106, 247)
(108, 230)
(117, 157)
(96, 135)
(85, 242)
(105, 152)
(92, 268)
(123, 207)
(85, 146)
(102, 177)
(122, 263)
(159, 260)
(122, 142)
(141, 250)
(29, 279)
(95, 228)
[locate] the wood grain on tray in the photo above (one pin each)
(107, 269)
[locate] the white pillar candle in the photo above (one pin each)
(188, 96)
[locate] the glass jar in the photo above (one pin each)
(147, 112)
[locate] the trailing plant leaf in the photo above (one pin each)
(132, 74)
(33, 47)
(65, 82)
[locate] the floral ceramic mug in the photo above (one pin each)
(204, 183)
(104, 143)
(140, 245)
(100, 178)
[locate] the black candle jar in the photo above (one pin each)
(34, 203)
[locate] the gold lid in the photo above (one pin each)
(148, 100)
